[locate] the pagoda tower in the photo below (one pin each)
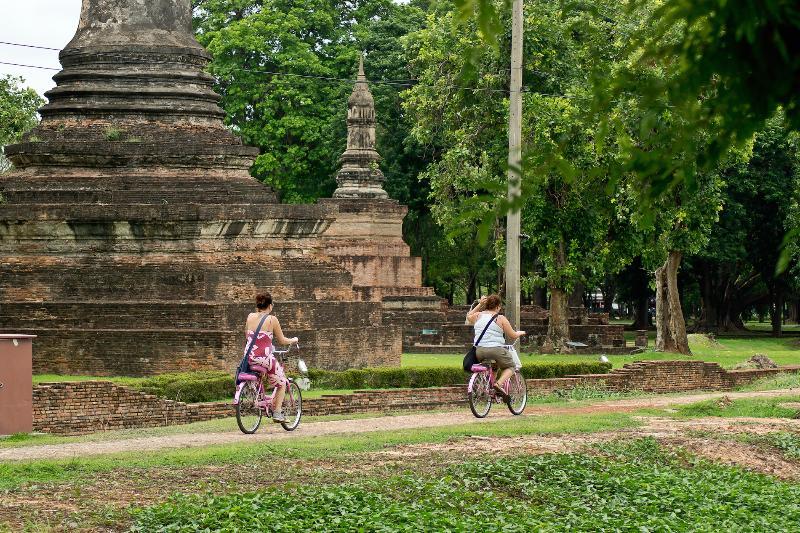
(366, 237)
(360, 175)
(132, 237)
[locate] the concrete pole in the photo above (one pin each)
(514, 162)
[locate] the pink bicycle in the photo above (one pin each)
(481, 393)
(252, 401)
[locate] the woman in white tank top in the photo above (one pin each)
(493, 344)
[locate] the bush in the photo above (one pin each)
(389, 378)
(190, 387)
(559, 370)
(213, 385)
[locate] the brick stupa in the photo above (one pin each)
(132, 237)
(367, 236)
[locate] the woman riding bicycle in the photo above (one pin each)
(493, 344)
(261, 354)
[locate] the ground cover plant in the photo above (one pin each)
(631, 485)
(18, 473)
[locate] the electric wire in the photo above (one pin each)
(399, 83)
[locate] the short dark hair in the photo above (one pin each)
(492, 301)
(263, 300)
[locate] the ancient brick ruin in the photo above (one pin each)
(86, 407)
(132, 237)
(453, 335)
(366, 238)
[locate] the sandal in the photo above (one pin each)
(500, 392)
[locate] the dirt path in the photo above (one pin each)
(410, 421)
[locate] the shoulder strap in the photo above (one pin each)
(255, 336)
(477, 342)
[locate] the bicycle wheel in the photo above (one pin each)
(292, 407)
(480, 399)
(518, 391)
(248, 413)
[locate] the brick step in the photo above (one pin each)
(92, 315)
(93, 196)
(32, 278)
(136, 352)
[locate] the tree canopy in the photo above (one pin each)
(18, 106)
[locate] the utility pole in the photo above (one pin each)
(514, 171)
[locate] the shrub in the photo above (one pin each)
(204, 386)
(388, 378)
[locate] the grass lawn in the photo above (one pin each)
(636, 485)
(728, 352)
(14, 474)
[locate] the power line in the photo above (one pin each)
(400, 83)
(30, 46)
(27, 66)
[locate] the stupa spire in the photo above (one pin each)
(132, 91)
(360, 175)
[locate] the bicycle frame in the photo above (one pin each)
(482, 370)
(280, 355)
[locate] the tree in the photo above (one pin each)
(18, 106)
(575, 230)
(283, 69)
(734, 64)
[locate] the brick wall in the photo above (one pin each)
(86, 407)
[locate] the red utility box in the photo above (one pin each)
(16, 384)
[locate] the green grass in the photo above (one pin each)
(637, 486)
(743, 407)
(728, 352)
(58, 378)
(779, 381)
(14, 474)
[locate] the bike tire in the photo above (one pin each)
(518, 391)
(248, 414)
(292, 407)
(478, 395)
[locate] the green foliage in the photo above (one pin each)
(733, 64)
(411, 377)
(202, 386)
(283, 68)
(636, 486)
(18, 107)
(577, 232)
(113, 134)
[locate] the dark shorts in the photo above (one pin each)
(498, 354)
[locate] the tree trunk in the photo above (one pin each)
(540, 297)
(609, 292)
(777, 312)
(557, 323)
(670, 325)
(794, 312)
(472, 290)
(709, 314)
(558, 320)
(642, 295)
(576, 296)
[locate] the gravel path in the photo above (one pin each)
(270, 432)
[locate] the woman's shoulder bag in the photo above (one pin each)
(472, 355)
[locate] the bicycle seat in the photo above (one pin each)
(479, 368)
(258, 368)
(247, 377)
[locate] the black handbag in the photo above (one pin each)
(472, 355)
(244, 364)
